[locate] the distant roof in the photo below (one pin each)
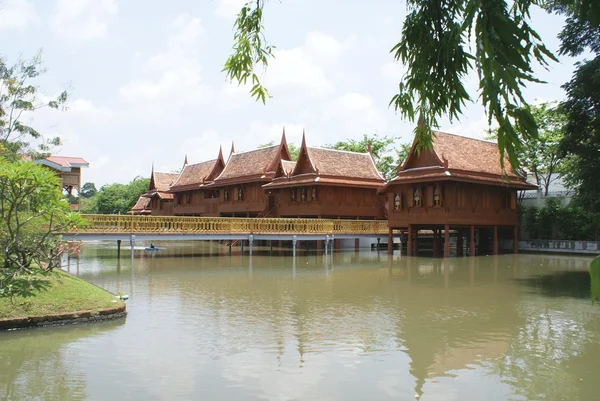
(160, 184)
(248, 165)
(456, 157)
(63, 163)
(141, 205)
(192, 175)
(333, 167)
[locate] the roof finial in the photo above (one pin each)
(369, 149)
(303, 137)
(185, 162)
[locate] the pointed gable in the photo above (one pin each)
(455, 157)
(218, 166)
(193, 176)
(304, 164)
(160, 183)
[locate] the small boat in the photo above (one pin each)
(149, 248)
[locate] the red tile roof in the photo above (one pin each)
(461, 158)
(163, 181)
(193, 175)
(248, 165)
(142, 204)
(339, 163)
(66, 161)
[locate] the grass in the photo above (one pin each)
(66, 294)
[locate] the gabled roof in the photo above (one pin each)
(141, 206)
(333, 167)
(160, 183)
(254, 165)
(193, 176)
(63, 163)
(455, 157)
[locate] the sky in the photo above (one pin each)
(146, 82)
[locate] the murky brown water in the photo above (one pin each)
(350, 327)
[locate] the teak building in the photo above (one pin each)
(265, 182)
(457, 187)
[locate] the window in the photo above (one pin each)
(437, 196)
(302, 194)
(240, 193)
(188, 198)
(293, 192)
(226, 195)
(397, 201)
(313, 193)
(417, 197)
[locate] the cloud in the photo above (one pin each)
(357, 114)
(228, 9)
(82, 20)
(303, 69)
(171, 79)
(18, 14)
(393, 71)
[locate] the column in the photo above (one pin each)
(515, 239)
(447, 241)
(495, 240)
(390, 241)
(409, 242)
(416, 242)
(472, 241)
(436, 244)
(118, 248)
(319, 245)
(356, 244)
(459, 244)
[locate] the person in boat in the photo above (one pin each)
(152, 245)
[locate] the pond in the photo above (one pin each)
(203, 325)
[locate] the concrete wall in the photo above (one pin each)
(559, 246)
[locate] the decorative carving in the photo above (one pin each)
(313, 193)
(437, 196)
(240, 193)
(397, 201)
(293, 190)
(226, 195)
(417, 197)
(302, 194)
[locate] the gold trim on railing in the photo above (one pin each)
(134, 224)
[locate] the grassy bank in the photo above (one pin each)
(66, 294)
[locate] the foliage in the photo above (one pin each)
(33, 213)
(292, 147)
(542, 156)
(381, 147)
(441, 43)
(88, 190)
(553, 221)
(116, 198)
(403, 152)
(19, 96)
(595, 278)
(581, 141)
(250, 50)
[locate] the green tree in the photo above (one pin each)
(88, 190)
(581, 141)
(120, 198)
(32, 215)
(436, 48)
(403, 152)
(542, 156)
(18, 97)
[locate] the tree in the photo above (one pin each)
(119, 198)
(88, 190)
(542, 156)
(18, 96)
(32, 215)
(381, 147)
(581, 141)
(403, 152)
(292, 147)
(435, 46)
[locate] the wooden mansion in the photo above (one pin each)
(456, 189)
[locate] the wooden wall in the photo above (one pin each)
(460, 204)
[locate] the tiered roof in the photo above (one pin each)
(195, 176)
(318, 166)
(142, 206)
(255, 165)
(160, 183)
(458, 158)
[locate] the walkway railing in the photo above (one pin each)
(111, 224)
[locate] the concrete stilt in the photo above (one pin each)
(409, 243)
(294, 242)
(132, 244)
(250, 241)
(118, 248)
(390, 241)
(495, 240)
(472, 241)
(446, 241)
(515, 239)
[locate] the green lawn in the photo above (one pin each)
(67, 294)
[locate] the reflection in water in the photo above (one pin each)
(347, 326)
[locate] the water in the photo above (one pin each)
(350, 327)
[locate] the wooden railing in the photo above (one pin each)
(102, 223)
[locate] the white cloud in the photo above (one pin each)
(357, 114)
(17, 14)
(393, 71)
(82, 20)
(173, 77)
(228, 9)
(304, 68)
